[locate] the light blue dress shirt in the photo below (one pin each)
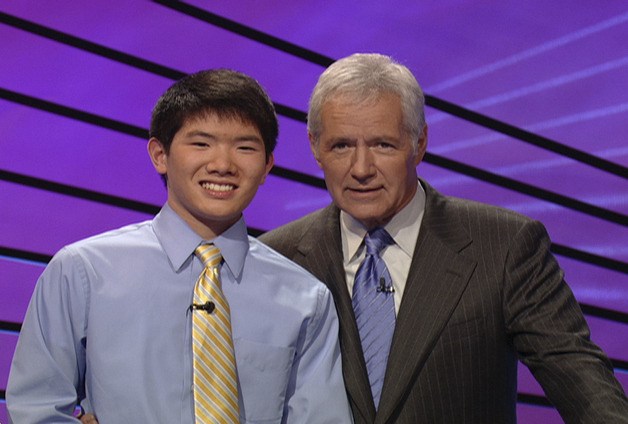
(109, 320)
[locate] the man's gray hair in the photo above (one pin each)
(365, 77)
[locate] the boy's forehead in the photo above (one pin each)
(219, 118)
(214, 124)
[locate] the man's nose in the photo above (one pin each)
(362, 165)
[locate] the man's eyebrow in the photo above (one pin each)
(383, 137)
(342, 139)
(348, 139)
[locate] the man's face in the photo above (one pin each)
(214, 169)
(368, 160)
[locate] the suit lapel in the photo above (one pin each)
(438, 276)
(321, 250)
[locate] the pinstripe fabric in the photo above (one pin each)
(215, 380)
(483, 291)
(374, 308)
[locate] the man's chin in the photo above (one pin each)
(366, 218)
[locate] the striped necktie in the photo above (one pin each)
(374, 309)
(215, 379)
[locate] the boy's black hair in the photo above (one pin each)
(226, 93)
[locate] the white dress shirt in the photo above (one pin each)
(403, 228)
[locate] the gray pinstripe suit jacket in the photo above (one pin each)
(483, 291)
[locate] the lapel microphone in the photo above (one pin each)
(383, 288)
(208, 307)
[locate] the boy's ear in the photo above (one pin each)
(269, 165)
(157, 155)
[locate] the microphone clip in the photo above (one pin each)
(208, 307)
(383, 288)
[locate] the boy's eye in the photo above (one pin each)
(249, 147)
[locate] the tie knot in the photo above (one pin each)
(209, 254)
(376, 240)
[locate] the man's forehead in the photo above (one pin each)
(361, 98)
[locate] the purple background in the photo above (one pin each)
(558, 69)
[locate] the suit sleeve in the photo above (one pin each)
(280, 240)
(551, 335)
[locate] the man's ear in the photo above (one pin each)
(314, 148)
(158, 155)
(421, 146)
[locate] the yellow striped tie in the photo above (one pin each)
(215, 381)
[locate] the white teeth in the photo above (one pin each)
(217, 187)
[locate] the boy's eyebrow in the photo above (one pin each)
(198, 133)
(204, 134)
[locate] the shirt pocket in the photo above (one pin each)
(264, 372)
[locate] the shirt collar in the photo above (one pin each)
(403, 228)
(179, 241)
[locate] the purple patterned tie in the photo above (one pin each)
(374, 308)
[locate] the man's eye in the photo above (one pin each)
(339, 146)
